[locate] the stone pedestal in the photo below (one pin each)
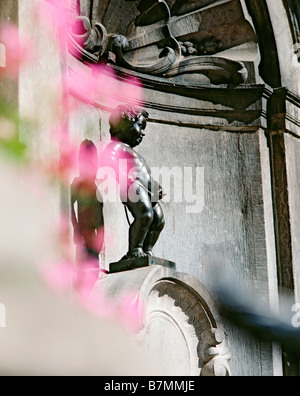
(182, 331)
(130, 264)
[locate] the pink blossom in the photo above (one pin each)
(86, 275)
(128, 311)
(66, 163)
(98, 84)
(110, 90)
(18, 50)
(96, 302)
(132, 91)
(62, 232)
(131, 312)
(106, 84)
(90, 84)
(58, 275)
(56, 14)
(62, 276)
(80, 83)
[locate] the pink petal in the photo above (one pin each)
(56, 13)
(65, 165)
(58, 276)
(19, 50)
(132, 91)
(131, 312)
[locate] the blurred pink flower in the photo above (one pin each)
(93, 84)
(57, 14)
(128, 311)
(19, 50)
(107, 85)
(86, 275)
(97, 302)
(63, 276)
(131, 312)
(64, 165)
(62, 236)
(58, 275)
(80, 83)
(132, 91)
(116, 168)
(98, 84)
(110, 90)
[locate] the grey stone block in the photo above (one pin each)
(130, 264)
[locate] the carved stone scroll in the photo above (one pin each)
(120, 45)
(174, 308)
(86, 41)
(165, 38)
(167, 57)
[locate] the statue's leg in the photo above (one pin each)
(155, 229)
(142, 213)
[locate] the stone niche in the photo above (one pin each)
(209, 71)
(181, 329)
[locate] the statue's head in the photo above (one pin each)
(127, 124)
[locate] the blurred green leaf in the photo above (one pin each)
(10, 144)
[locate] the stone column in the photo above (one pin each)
(283, 136)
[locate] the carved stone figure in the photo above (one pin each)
(140, 194)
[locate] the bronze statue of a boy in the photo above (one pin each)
(139, 192)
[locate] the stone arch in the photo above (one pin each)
(259, 12)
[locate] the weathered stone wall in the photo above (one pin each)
(226, 136)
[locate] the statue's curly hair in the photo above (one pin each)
(122, 117)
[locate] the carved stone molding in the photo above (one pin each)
(167, 58)
(284, 112)
(164, 38)
(181, 331)
(87, 42)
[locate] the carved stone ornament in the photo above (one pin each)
(181, 329)
(164, 38)
(293, 11)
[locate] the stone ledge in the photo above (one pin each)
(177, 316)
(130, 264)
